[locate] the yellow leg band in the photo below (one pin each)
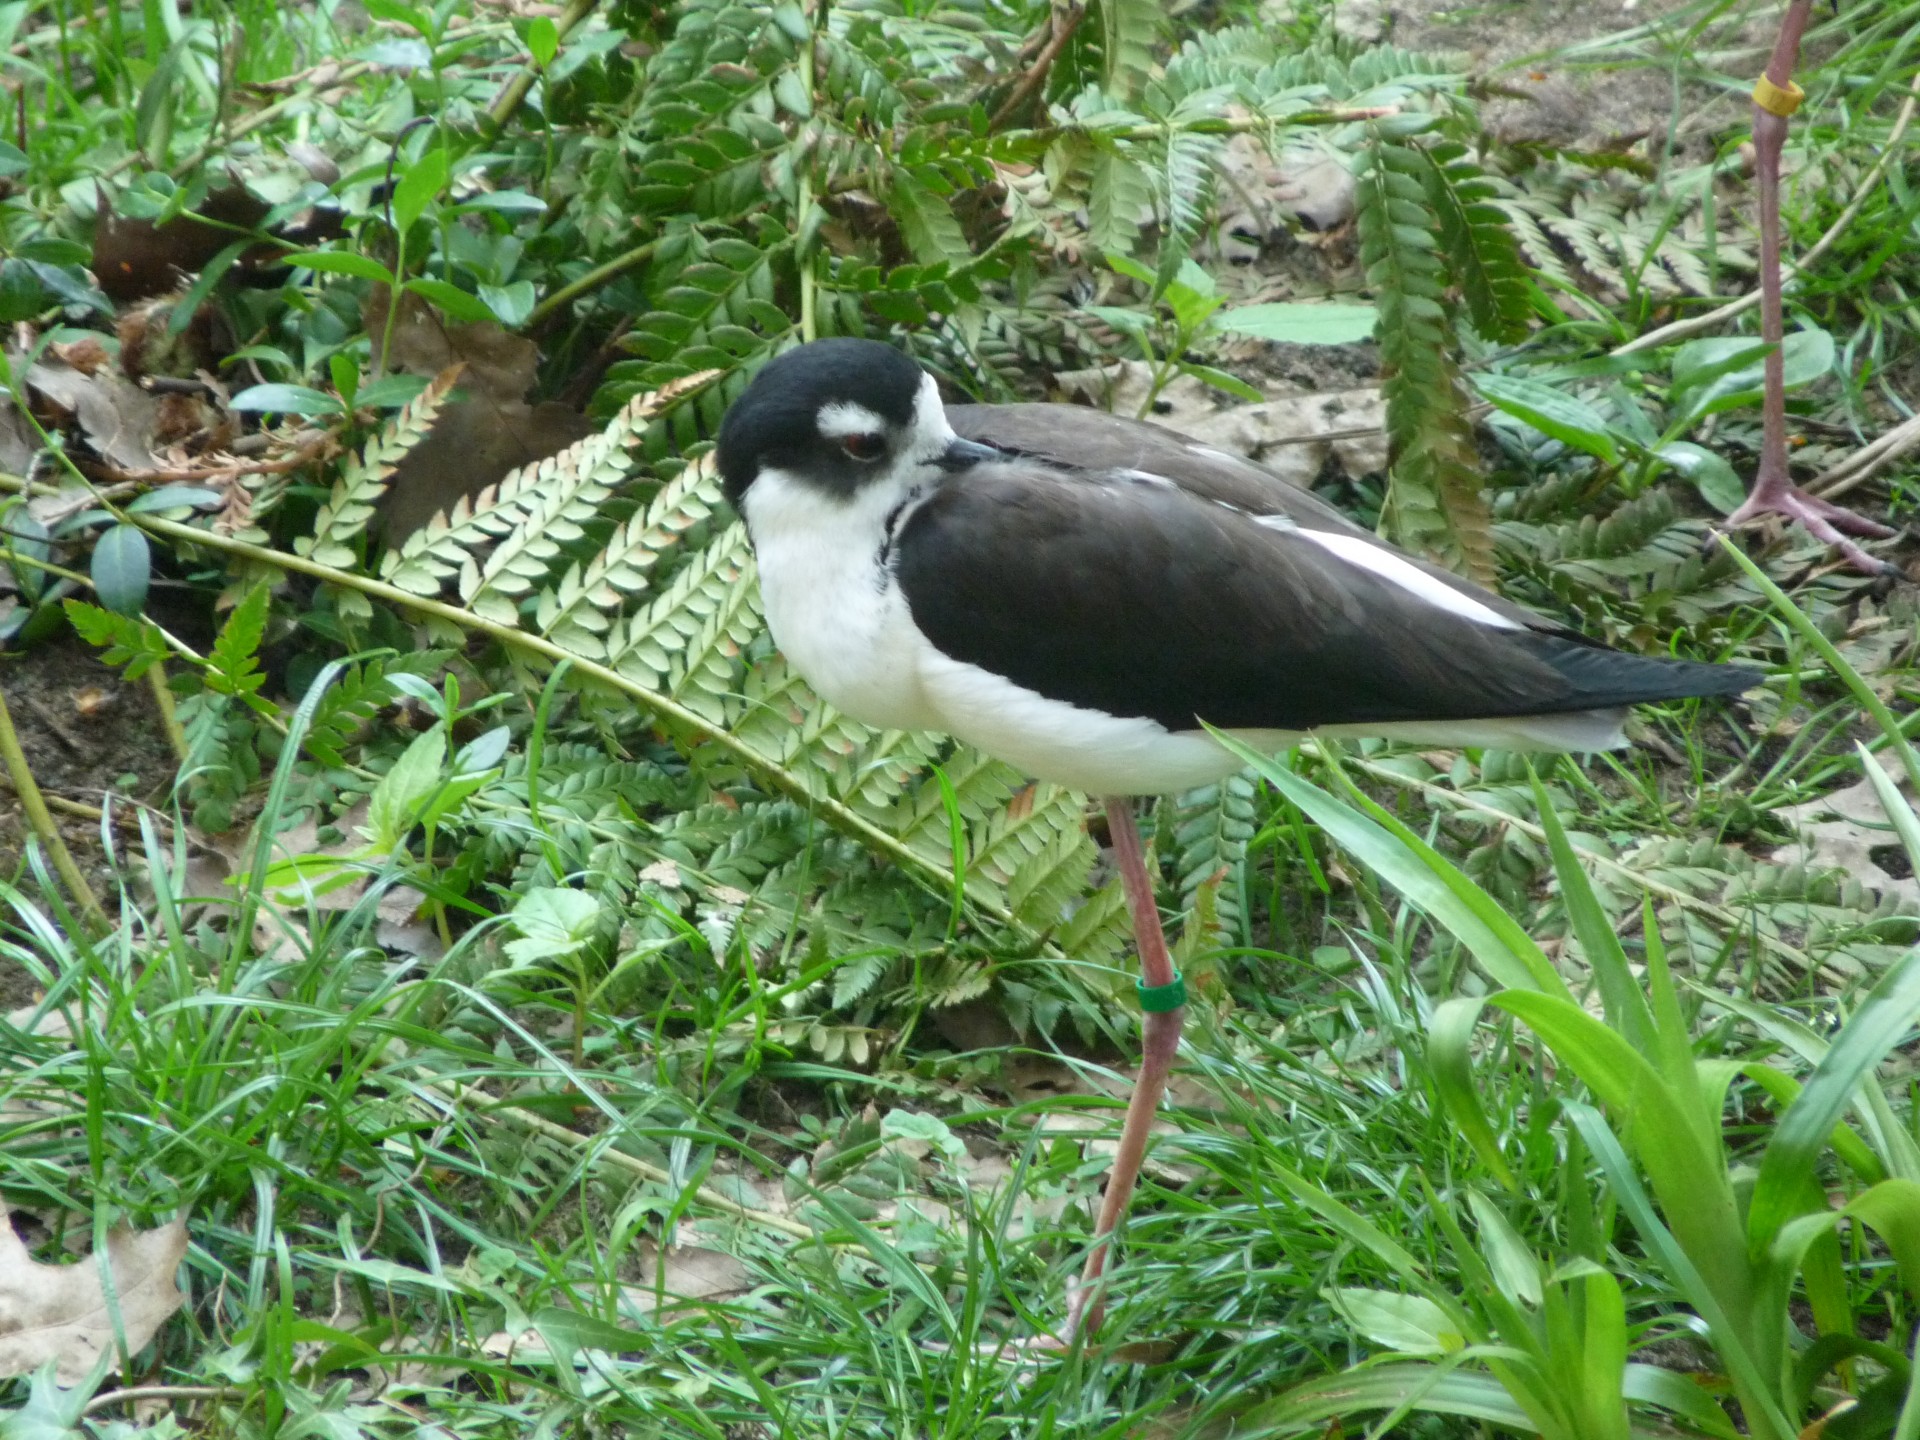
(1776, 100)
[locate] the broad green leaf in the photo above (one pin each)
(543, 40)
(396, 800)
(511, 304)
(568, 1332)
(1410, 1324)
(341, 262)
(1710, 376)
(1299, 323)
(175, 497)
(1711, 475)
(1552, 412)
(417, 187)
(1513, 1266)
(553, 922)
(122, 566)
(1450, 1065)
(286, 400)
(468, 309)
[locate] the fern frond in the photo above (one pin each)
(363, 479)
(1479, 247)
(1435, 503)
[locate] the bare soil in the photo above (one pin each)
(87, 734)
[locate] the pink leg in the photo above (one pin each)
(1162, 1039)
(1774, 492)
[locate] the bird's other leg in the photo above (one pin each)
(1774, 492)
(1162, 1039)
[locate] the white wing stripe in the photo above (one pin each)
(1408, 576)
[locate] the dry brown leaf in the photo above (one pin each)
(59, 1312)
(116, 415)
(688, 1272)
(1840, 832)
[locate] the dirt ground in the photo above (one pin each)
(1609, 80)
(87, 733)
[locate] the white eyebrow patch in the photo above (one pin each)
(844, 417)
(1145, 477)
(1408, 576)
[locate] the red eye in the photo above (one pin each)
(865, 448)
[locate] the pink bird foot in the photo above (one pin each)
(1832, 524)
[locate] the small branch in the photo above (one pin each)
(1867, 461)
(592, 280)
(169, 717)
(518, 88)
(133, 1394)
(41, 821)
(1064, 23)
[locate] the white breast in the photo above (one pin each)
(833, 609)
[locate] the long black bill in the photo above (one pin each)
(962, 453)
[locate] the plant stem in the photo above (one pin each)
(169, 717)
(41, 821)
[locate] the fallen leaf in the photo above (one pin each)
(1841, 831)
(59, 1312)
(116, 415)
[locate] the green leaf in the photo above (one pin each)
(233, 665)
(174, 497)
(394, 806)
(1710, 376)
(1513, 1266)
(287, 400)
(1410, 1324)
(553, 923)
(1881, 1021)
(568, 1332)
(510, 304)
(341, 262)
(1450, 1065)
(1712, 476)
(469, 309)
(1430, 882)
(1221, 380)
(417, 187)
(543, 40)
(1552, 412)
(122, 566)
(1300, 323)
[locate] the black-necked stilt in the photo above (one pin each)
(1074, 593)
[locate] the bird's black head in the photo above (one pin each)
(836, 413)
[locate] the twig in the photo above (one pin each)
(133, 1394)
(169, 717)
(41, 820)
(1867, 461)
(592, 280)
(518, 88)
(1065, 22)
(1713, 319)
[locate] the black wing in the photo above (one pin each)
(1124, 592)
